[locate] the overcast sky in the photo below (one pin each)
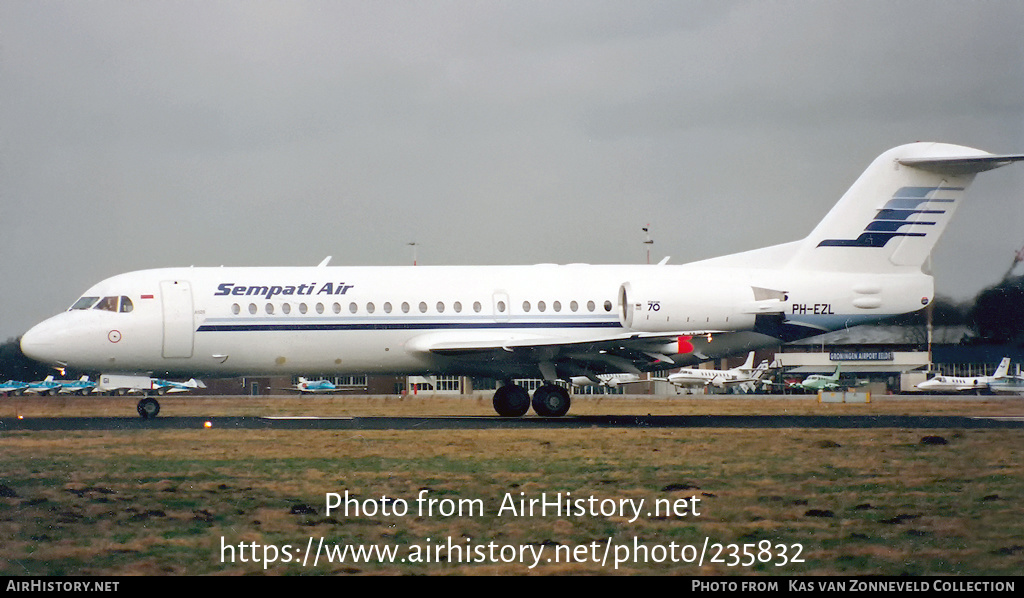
(147, 134)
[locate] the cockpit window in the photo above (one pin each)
(85, 303)
(116, 304)
(107, 304)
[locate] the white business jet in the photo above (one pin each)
(862, 263)
(967, 383)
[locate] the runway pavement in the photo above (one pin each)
(494, 422)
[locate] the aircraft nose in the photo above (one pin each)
(40, 342)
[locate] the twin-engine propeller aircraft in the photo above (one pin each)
(863, 262)
(743, 375)
(816, 382)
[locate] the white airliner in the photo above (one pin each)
(862, 263)
(702, 378)
(962, 383)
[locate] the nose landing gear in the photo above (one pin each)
(148, 408)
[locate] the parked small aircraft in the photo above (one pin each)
(816, 382)
(49, 386)
(702, 378)
(969, 383)
(13, 387)
(82, 386)
(609, 380)
(315, 386)
(165, 386)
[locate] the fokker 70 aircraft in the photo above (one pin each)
(863, 262)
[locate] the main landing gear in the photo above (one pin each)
(550, 400)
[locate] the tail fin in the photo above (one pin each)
(1003, 369)
(891, 217)
(749, 363)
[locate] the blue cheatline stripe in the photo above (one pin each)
(401, 326)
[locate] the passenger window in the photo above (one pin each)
(252, 308)
(590, 306)
(423, 307)
(457, 306)
(236, 309)
(440, 307)
(270, 308)
(387, 307)
(319, 308)
(526, 306)
(501, 307)
(574, 306)
(607, 305)
(287, 308)
(477, 307)
(541, 306)
(126, 305)
(353, 308)
(405, 307)
(302, 308)
(557, 306)
(337, 308)
(370, 307)
(85, 303)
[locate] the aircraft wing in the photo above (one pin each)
(736, 381)
(625, 353)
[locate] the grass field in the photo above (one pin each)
(751, 501)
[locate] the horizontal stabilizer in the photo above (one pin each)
(954, 165)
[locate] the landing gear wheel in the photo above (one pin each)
(511, 400)
(148, 408)
(551, 401)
